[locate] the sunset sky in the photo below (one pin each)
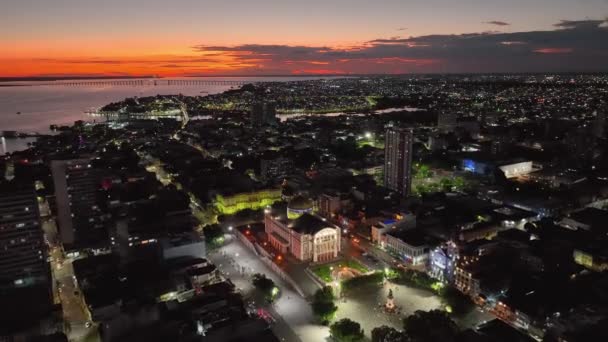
(253, 37)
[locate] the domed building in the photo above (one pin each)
(298, 206)
(306, 236)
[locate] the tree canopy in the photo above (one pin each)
(323, 304)
(430, 326)
(266, 286)
(387, 334)
(346, 330)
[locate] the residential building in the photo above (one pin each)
(398, 160)
(22, 249)
(410, 246)
(76, 184)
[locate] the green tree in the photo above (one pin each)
(346, 330)
(422, 171)
(459, 303)
(387, 334)
(430, 326)
(325, 311)
(368, 279)
(214, 236)
(458, 183)
(212, 232)
(266, 286)
(326, 294)
(446, 184)
(323, 304)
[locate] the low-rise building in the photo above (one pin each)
(410, 246)
(230, 203)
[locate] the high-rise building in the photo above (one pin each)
(599, 124)
(22, 249)
(263, 113)
(75, 193)
(398, 145)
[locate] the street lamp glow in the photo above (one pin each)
(230, 228)
(368, 135)
(275, 291)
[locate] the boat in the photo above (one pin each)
(18, 113)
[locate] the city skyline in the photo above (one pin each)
(204, 38)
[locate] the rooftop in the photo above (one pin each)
(309, 224)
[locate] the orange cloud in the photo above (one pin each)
(554, 50)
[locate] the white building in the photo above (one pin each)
(517, 169)
(411, 246)
(308, 237)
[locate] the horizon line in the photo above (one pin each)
(89, 77)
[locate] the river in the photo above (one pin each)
(40, 106)
(32, 107)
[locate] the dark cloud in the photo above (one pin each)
(580, 24)
(573, 46)
(497, 23)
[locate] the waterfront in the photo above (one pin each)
(41, 106)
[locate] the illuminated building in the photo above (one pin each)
(298, 206)
(75, 192)
(263, 113)
(466, 281)
(22, 249)
(308, 238)
(228, 203)
(595, 259)
(410, 246)
(441, 264)
(398, 160)
(516, 169)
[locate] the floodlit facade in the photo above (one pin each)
(517, 169)
(229, 204)
(307, 238)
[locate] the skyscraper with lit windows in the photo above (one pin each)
(22, 249)
(398, 145)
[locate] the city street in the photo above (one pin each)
(294, 318)
(66, 291)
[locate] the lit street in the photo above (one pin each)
(77, 324)
(295, 321)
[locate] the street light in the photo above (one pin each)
(230, 228)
